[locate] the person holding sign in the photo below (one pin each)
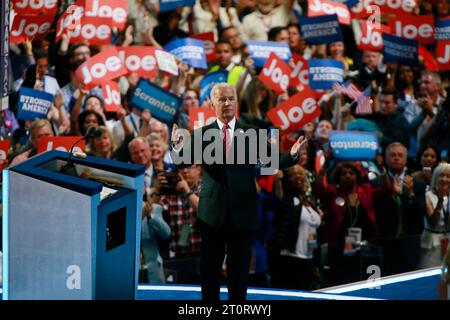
(227, 209)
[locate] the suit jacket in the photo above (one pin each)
(230, 188)
(410, 210)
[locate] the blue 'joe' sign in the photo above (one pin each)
(162, 104)
(353, 145)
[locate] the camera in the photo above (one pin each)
(169, 188)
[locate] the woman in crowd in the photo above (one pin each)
(349, 204)
(158, 148)
(434, 239)
(257, 100)
(296, 43)
(336, 51)
(429, 159)
(87, 119)
(103, 145)
(295, 223)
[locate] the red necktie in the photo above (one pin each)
(226, 139)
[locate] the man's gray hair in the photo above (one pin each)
(144, 140)
(219, 86)
(396, 145)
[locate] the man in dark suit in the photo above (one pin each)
(227, 206)
(400, 216)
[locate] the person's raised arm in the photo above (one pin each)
(121, 114)
(146, 128)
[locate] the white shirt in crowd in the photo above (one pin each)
(309, 222)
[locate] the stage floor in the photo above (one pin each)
(418, 285)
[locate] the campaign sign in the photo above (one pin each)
(70, 19)
(300, 73)
(166, 5)
(162, 104)
(418, 28)
(200, 117)
(4, 151)
(275, 74)
(210, 45)
(30, 27)
(166, 62)
(295, 112)
(92, 30)
(398, 7)
(140, 60)
(403, 51)
(33, 104)
(111, 95)
(104, 66)
(62, 143)
(209, 80)
(261, 50)
(35, 7)
(430, 62)
(323, 73)
(443, 54)
(371, 37)
(191, 51)
(320, 30)
(442, 29)
(363, 9)
(324, 7)
(353, 145)
(348, 3)
(115, 10)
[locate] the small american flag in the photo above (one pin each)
(349, 89)
(363, 101)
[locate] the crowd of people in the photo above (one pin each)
(398, 203)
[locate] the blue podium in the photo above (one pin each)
(71, 229)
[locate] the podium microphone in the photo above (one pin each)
(68, 168)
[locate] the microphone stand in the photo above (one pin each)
(91, 132)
